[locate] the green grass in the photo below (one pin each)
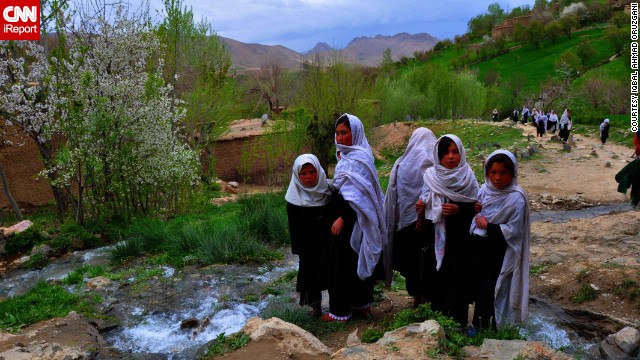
(42, 302)
(225, 344)
(232, 233)
(535, 270)
(585, 293)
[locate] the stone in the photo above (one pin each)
(566, 147)
(533, 149)
(627, 339)
(353, 339)
(607, 164)
(231, 189)
(189, 323)
(17, 228)
(43, 249)
(480, 157)
(44, 351)
(289, 337)
(525, 154)
(234, 184)
(555, 138)
(98, 282)
(594, 153)
(514, 349)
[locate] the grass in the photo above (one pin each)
(232, 233)
(585, 293)
(225, 344)
(537, 269)
(42, 302)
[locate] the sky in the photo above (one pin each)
(300, 24)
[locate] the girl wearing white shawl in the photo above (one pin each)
(604, 131)
(501, 229)
(308, 211)
(359, 231)
(403, 248)
(565, 125)
(447, 200)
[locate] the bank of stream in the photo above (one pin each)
(177, 311)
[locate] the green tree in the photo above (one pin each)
(387, 66)
(568, 23)
(585, 51)
(552, 31)
(535, 32)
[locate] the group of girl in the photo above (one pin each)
(550, 122)
(455, 243)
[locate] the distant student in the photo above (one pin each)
(445, 211)
(604, 131)
(494, 115)
(525, 114)
(404, 245)
(514, 115)
(308, 207)
(541, 123)
(565, 125)
(629, 177)
(501, 246)
(552, 122)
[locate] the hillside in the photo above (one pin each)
(362, 50)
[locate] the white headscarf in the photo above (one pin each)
(604, 123)
(357, 179)
(564, 119)
(405, 187)
(442, 185)
(300, 195)
(509, 208)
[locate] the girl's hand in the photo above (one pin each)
(337, 226)
(481, 221)
(419, 223)
(450, 209)
(478, 206)
(420, 207)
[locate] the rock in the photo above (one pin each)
(571, 141)
(555, 138)
(43, 249)
(566, 147)
(17, 228)
(189, 323)
(480, 157)
(98, 282)
(594, 153)
(289, 337)
(496, 145)
(42, 350)
(607, 164)
(353, 339)
(231, 189)
(408, 342)
(525, 154)
(514, 349)
(234, 184)
(533, 149)
(627, 340)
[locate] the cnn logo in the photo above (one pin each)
(20, 20)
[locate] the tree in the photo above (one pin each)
(585, 51)
(387, 66)
(568, 23)
(331, 87)
(535, 30)
(552, 31)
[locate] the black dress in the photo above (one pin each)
(346, 289)
(489, 255)
(449, 289)
(604, 133)
(408, 247)
(310, 231)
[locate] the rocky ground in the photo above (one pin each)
(597, 255)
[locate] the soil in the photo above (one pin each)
(599, 255)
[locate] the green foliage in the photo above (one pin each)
(72, 232)
(265, 216)
(585, 293)
(226, 344)
(37, 261)
(537, 269)
(42, 302)
(24, 241)
(629, 289)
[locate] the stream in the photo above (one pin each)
(176, 312)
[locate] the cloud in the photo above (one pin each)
(300, 24)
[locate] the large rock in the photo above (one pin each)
(98, 282)
(42, 350)
(289, 337)
(622, 345)
(17, 228)
(408, 342)
(514, 349)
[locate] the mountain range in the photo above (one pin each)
(361, 50)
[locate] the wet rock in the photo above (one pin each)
(514, 349)
(289, 337)
(98, 282)
(621, 345)
(189, 323)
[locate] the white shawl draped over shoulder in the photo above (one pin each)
(442, 185)
(509, 208)
(405, 187)
(300, 195)
(357, 179)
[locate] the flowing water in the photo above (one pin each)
(220, 299)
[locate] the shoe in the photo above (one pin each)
(471, 331)
(362, 313)
(329, 317)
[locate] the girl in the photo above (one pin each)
(445, 211)
(565, 125)
(308, 209)
(501, 242)
(541, 123)
(403, 191)
(359, 230)
(604, 131)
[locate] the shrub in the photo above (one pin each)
(24, 241)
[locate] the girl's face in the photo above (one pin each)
(308, 175)
(343, 135)
(451, 158)
(499, 176)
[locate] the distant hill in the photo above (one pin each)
(362, 50)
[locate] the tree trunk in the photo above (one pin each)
(7, 193)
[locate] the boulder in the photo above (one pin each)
(289, 337)
(514, 349)
(98, 282)
(42, 350)
(607, 164)
(622, 345)
(17, 228)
